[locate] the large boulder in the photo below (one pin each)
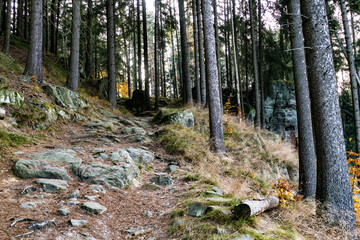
(52, 185)
(65, 97)
(67, 156)
(184, 117)
(11, 98)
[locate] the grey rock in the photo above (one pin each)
(49, 110)
(152, 187)
(28, 205)
(127, 122)
(64, 211)
(52, 185)
(111, 176)
(105, 140)
(140, 155)
(197, 209)
(11, 98)
(67, 156)
(94, 207)
(243, 237)
(97, 151)
(78, 223)
(179, 222)
(160, 213)
(103, 156)
(38, 169)
(76, 117)
(148, 214)
(222, 231)
(63, 114)
(135, 231)
(65, 98)
(91, 198)
(162, 179)
(171, 168)
(72, 202)
(185, 117)
(121, 155)
(74, 194)
(134, 131)
(141, 139)
(94, 125)
(2, 113)
(4, 83)
(97, 188)
(142, 124)
(218, 191)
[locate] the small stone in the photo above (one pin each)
(97, 151)
(162, 179)
(243, 237)
(2, 113)
(73, 202)
(218, 191)
(28, 205)
(171, 168)
(97, 188)
(135, 231)
(90, 198)
(197, 209)
(151, 187)
(64, 211)
(52, 185)
(78, 223)
(94, 207)
(160, 213)
(178, 222)
(222, 231)
(74, 194)
(104, 140)
(103, 156)
(167, 204)
(147, 214)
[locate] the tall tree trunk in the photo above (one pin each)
(255, 64)
(128, 69)
(307, 157)
(33, 65)
(201, 54)
(353, 74)
(246, 62)
(179, 57)
(237, 77)
(333, 186)
(185, 55)
(52, 25)
(46, 27)
(217, 45)
(20, 18)
(261, 75)
(26, 20)
(227, 13)
(14, 17)
(111, 53)
(89, 66)
(6, 45)
(162, 58)
(2, 3)
(57, 26)
(146, 57)
(139, 44)
(174, 77)
(215, 116)
(73, 79)
(156, 38)
(197, 72)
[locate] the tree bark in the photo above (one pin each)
(73, 79)
(215, 115)
(33, 65)
(111, 53)
(248, 208)
(89, 67)
(174, 77)
(353, 74)
(146, 57)
(156, 55)
(255, 65)
(201, 54)
(2, 6)
(217, 45)
(6, 45)
(52, 26)
(20, 19)
(307, 157)
(185, 55)
(197, 72)
(333, 186)
(261, 75)
(139, 45)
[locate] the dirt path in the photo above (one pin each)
(135, 206)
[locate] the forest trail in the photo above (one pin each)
(142, 209)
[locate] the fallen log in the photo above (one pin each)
(248, 208)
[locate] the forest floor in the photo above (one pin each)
(126, 208)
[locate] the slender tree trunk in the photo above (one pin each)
(197, 72)
(174, 82)
(73, 79)
(156, 37)
(261, 75)
(89, 67)
(162, 58)
(179, 57)
(26, 20)
(353, 74)
(46, 27)
(307, 157)
(57, 26)
(237, 77)
(255, 65)
(139, 45)
(2, 3)
(20, 18)
(185, 55)
(146, 56)
(227, 14)
(128, 70)
(52, 25)
(246, 63)
(201, 54)
(215, 116)
(217, 45)
(14, 16)
(111, 52)
(33, 65)
(333, 186)
(6, 45)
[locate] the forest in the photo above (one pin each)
(248, 70)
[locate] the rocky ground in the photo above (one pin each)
(99, 180)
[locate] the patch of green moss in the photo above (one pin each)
(12, 140)
(9, 65)
(192, 177)
(54, 71)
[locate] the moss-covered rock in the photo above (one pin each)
(184, 117)
(65, 97)
(10, 97)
